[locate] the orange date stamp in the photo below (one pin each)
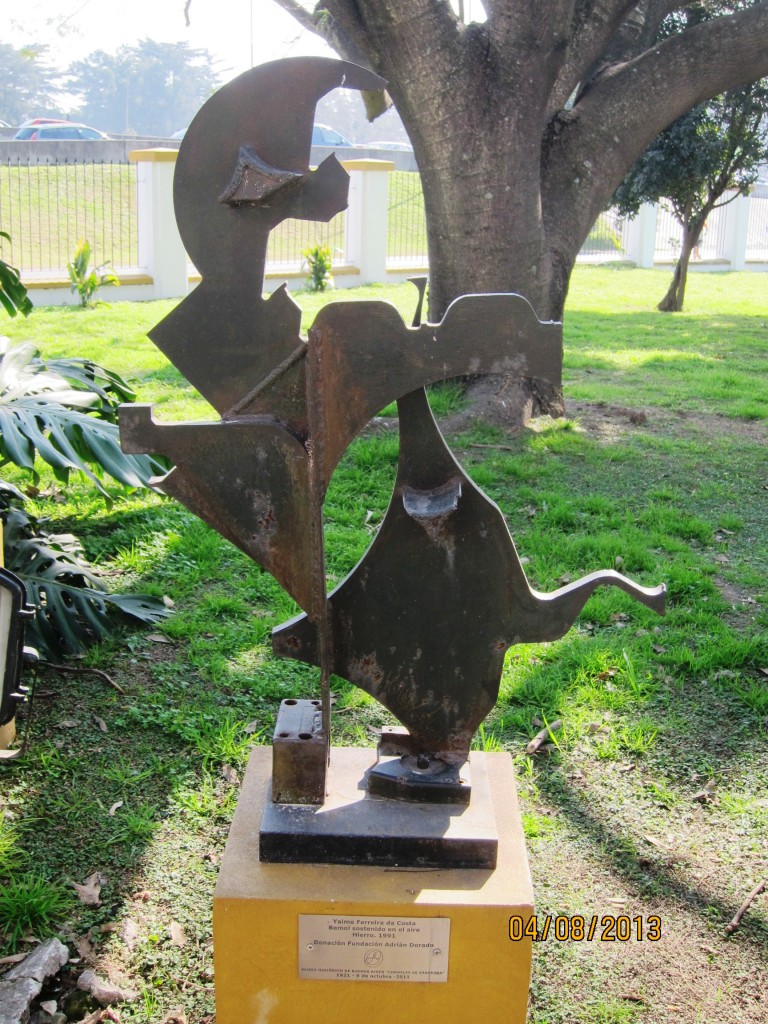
(578, 928)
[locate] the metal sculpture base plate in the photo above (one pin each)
(355, 827)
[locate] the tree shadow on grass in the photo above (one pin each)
(712, 735)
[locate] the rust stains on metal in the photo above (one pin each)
(299, 755)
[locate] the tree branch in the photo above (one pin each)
(333, 30)
(595, 26)
(736, 922)
(626, 107)
(307, 19)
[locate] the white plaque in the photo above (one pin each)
(374, 948)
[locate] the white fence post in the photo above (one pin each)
(735, 233)
(161, 252)
(367, 217)
(641, 236)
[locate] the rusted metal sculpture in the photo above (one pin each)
(424, 620)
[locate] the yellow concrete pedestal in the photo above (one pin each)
(7, 734)
(256, 921)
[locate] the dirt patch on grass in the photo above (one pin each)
(602, 419)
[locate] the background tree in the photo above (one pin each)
(715, 148)
(150, 89)
(27, 84)
(525, 124)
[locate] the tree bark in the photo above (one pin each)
(692, 230)
(673, 300)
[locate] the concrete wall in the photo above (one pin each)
(117, 150)
(112, 151)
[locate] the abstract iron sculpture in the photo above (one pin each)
(424, 620)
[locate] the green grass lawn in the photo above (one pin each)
(660, 468)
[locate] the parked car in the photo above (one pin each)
(322, 135)
(53, 131)
(400, 147)
(44, 120)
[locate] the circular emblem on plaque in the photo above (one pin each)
(373, 957)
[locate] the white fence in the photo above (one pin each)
(381, 237)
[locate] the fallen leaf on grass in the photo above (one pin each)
(704, 795)
(251, 728)
(158, 638)
(231, 776)
(168, 601)
(69, 723)
(764, 671)
(84, 947)
(129, 932)
(174, 1017)
(100, 723)
(101, 1015)
(104, 991)
(654, 842)
(115, 807)
(14, 958)
(178, 935)
(88, 892)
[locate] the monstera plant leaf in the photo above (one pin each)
(72, 608)
(13, 294)
(64, 411)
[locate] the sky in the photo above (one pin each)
(74, 28)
